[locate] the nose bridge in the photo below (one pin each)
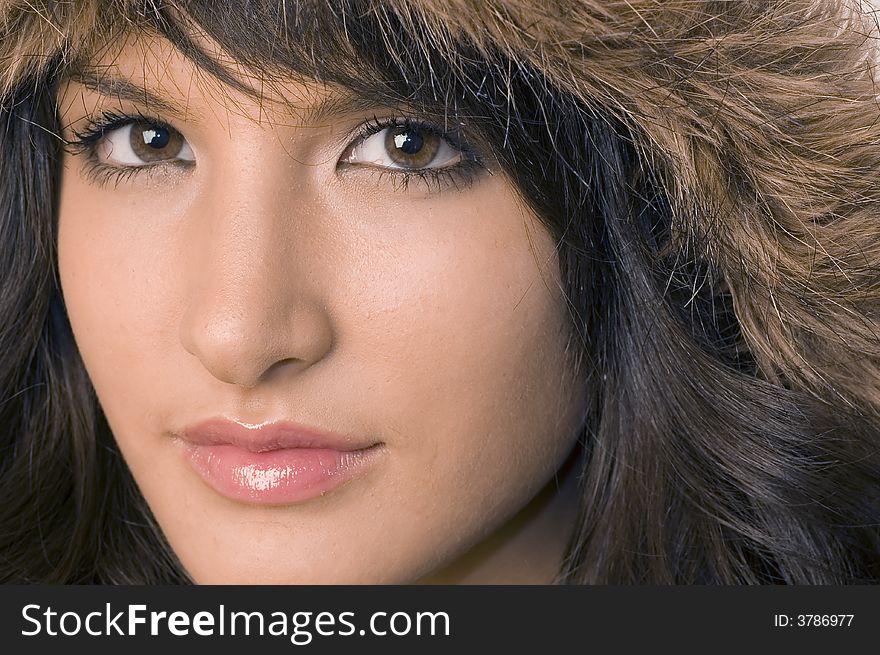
(250, 304)
(233, 284)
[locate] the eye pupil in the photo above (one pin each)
(409, 141)
(156, 137)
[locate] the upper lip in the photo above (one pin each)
(266, 436)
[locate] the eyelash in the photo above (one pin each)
(86, 142)
(458, 176)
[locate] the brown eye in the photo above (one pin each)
(411, 148)
(405, 147)
(155, 142)
(141, 143)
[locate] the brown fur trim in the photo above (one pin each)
(33, 32)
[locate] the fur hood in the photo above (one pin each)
(760, 118)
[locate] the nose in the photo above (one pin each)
(254, 307)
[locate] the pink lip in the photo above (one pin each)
(272, 463)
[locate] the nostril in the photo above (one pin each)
(284, 368)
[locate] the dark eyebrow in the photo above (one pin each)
(332, 106)
(336, 106)
(123, 89)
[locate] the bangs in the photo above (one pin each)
(353, 44)
(390, 55)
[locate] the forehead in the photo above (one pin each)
(152, 72)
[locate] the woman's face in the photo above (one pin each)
(319, 365)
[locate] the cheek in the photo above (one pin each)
(488, 413)
(477, 351)
(118, 278)
(465, 353)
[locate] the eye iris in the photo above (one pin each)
(411, 148)
(155, 143)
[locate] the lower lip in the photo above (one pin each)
(276, 477)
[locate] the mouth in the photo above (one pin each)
(273, 463)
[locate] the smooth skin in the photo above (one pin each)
(260, 279)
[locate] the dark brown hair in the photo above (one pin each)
(711, 174)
